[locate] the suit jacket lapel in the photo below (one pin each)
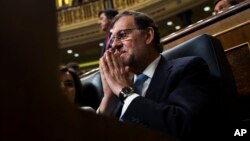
(160, 77)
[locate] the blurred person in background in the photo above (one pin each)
(72, 88)
(105, 18)
(75, 66)
(224, 4)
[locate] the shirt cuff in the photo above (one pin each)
(127, 102)
(98, 111)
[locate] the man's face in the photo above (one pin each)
(129, 41)
(104, 22)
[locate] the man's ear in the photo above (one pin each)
(149, 35)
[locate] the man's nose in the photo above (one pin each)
(116, 44)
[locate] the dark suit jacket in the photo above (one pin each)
(180, 99)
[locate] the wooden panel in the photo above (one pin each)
(235, 36)
(236, 41)
(239, 59)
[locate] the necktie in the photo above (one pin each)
(141, 78)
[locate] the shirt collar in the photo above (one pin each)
(149, 71)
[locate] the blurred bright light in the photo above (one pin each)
(101, 44)
(177, 27)
(69, 51)
(169, 23)
(207, 8)
(76, 55)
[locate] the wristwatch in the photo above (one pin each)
(125, 92)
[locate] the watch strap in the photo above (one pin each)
(125, 92)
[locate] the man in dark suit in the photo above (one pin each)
(105, 18)
(178, 97)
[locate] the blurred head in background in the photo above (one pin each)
(223, 4)
(105, 18)
(71, 85)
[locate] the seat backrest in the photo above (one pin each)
(92, 89)
(210, 49)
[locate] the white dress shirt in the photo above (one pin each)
(149, 71)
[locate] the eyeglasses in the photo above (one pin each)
(122, 35)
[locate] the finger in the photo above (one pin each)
(120, 64)
(115, 62)
(114, 57)
(101, 69)
(118, 61)
(109, 60)
(104, 66)
(119, 70)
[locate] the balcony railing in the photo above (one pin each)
(89, 11)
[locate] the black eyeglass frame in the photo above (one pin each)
(122, 35)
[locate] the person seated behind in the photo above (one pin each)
(75, 66)
(105, 18)
(72, 88)
(224, 4)
(178, 96)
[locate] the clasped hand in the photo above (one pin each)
(114, 74)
